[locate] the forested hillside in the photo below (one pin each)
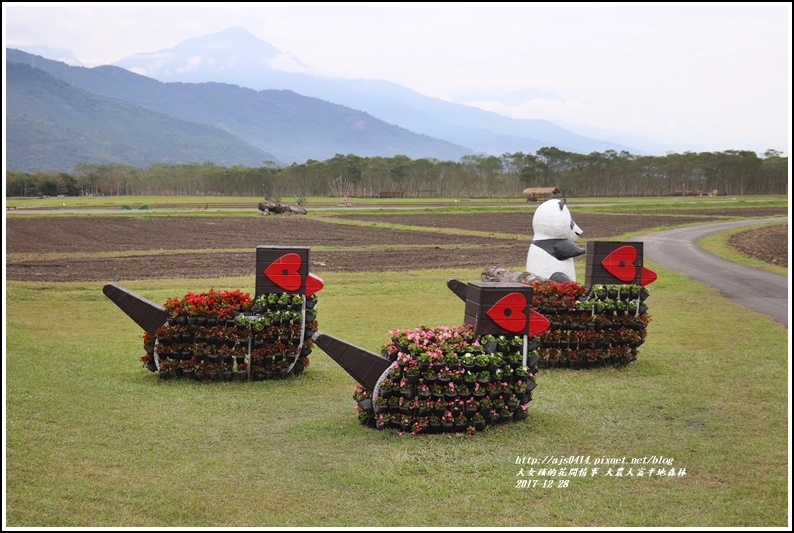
(284, 126)
(52, 125)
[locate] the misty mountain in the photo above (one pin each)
(648, 146)
(292, 127)
(511, 99)
(51, 125)
(235, 56)
(56, 54)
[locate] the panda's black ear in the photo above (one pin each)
(562, 203)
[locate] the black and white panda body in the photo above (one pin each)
(552, 249)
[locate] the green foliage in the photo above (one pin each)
(375, 176)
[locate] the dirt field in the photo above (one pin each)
(768, 244)
(199, 246)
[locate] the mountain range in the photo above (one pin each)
(235, 56)
(220, 98)
(51, 125)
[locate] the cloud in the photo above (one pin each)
(681, 132)
(193, 63)
(287, 62)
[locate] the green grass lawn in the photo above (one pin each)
(95, 440)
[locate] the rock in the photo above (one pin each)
(266, 208)
(501, 274)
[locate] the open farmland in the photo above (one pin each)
(115, 248)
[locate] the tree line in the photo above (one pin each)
(611, 173)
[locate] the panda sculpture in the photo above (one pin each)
(552, 249)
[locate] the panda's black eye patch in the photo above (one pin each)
(571, 224)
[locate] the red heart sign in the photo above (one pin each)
(284, 272)
(620, 263)
(647, 276)
(313, 284)
(537, 323)
(508, 312)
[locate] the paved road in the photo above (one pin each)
(756, 289)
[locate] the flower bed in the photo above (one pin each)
(225, 335)
(444, 380)
(602, 326)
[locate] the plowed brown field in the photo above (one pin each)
(116, 248)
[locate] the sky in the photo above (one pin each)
(694, 76)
